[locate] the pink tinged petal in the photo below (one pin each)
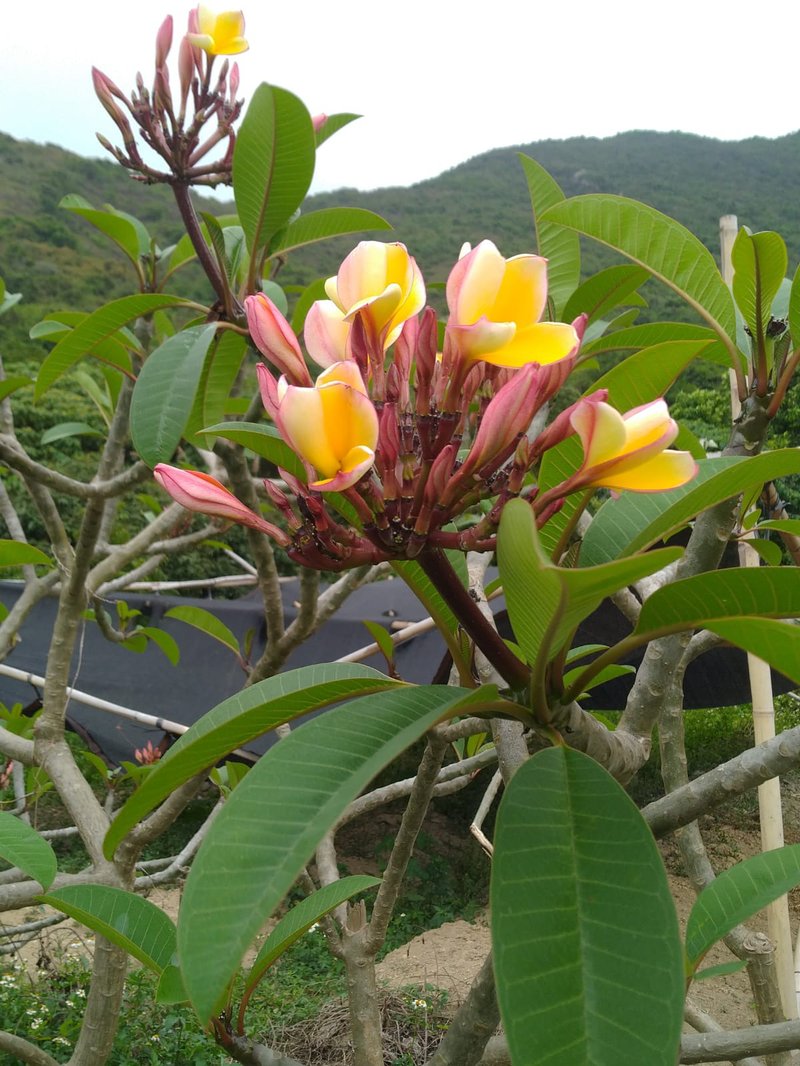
(201, 40)
(481, 339)
(667, 470)
(477, 283)
(344, 372)
(379, 308)
(601, 429)
(508, 415)
(359, 462)
(273, 337)
(163, 41)
(318, 121)
(325, 333)
(269, 392)
(200, 492)
(649, 422)
(363, 273)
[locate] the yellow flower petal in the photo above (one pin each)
(667, 470)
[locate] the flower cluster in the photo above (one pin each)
(422, 447)
(172, 128)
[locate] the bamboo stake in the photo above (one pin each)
(769, 794)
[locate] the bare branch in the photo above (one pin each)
(24, 1051)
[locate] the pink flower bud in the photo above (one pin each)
(163, 41)
(200, 492)
(318, 121)
(273, 337)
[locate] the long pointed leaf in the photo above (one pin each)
(272, 822)
(165, 390)
(127, 920)
(117, 228)
(736, 894)
(561, 247)
(96, 327)
(584, 932)
(759, 262)
(238, 720)
(22, 846)
(273, 163)
(320, 225)
(301, 917)
(606, 290)
(664, 246)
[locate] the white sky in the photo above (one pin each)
(437, 81)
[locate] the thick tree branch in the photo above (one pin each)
(24, 1051)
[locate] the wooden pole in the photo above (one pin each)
(769, 794)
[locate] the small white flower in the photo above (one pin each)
(313, 928)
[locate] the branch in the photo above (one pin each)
(13, 454)
(24, 1051)
(476, 1019)
(740, 774)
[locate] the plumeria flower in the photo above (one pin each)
(629, 451)
(382, 283)
(495, 305)
(333, 426)
(273, 337)
(218, 35)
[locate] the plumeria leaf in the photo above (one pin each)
(759, 263)
(12, 384)
(119, 229)
(768, 550)
(170, 987)
(22, 846)
(323, 224)
(15, 553)
(165, 390)
(724, 969)
(164, 641)
(662, 245)
(562, 248)
(207, 623)
(69, 429)
(794, 309)
(97, 327)
(736, 894)
(585, 936)
(299, 919)
(263, 440)
(332, 124)
(273, 163)
(240, 719)
(636, 520)
(278, 815)
(604, 291)
(382, 638)
(651, 333)
(648, 373)
(220, 371)
(134, 924)
(782, 525)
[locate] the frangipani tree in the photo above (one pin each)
(399, 444)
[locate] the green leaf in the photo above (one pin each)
(794, 309)
(299, 919)
(313, 292)
(333, 124)
(323, 224)
(263, 440)
(736, 894)
(422, 587)
(132, 923)
(604, 291)
(220, 371)
(15, 553)
(636, 519)
(207, 623)
(121, 231)
(584, 932)
(648, 373)
(8, 300)
(769, 551)
(562, 248)
(273, 163)
(170, 987)
(165, 390)
(782, 525)
(98, 326)
(142, 234)
(22, 846)
(524, 566)
(9, 385)
(69, 429)
(382, 638)
(759, 263)
(163, 641)
(662, 245)
(238, 720)
(268, 829)
(608, 673)
(723, 970)
(651, 333)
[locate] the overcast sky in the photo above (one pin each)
(437, 81)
